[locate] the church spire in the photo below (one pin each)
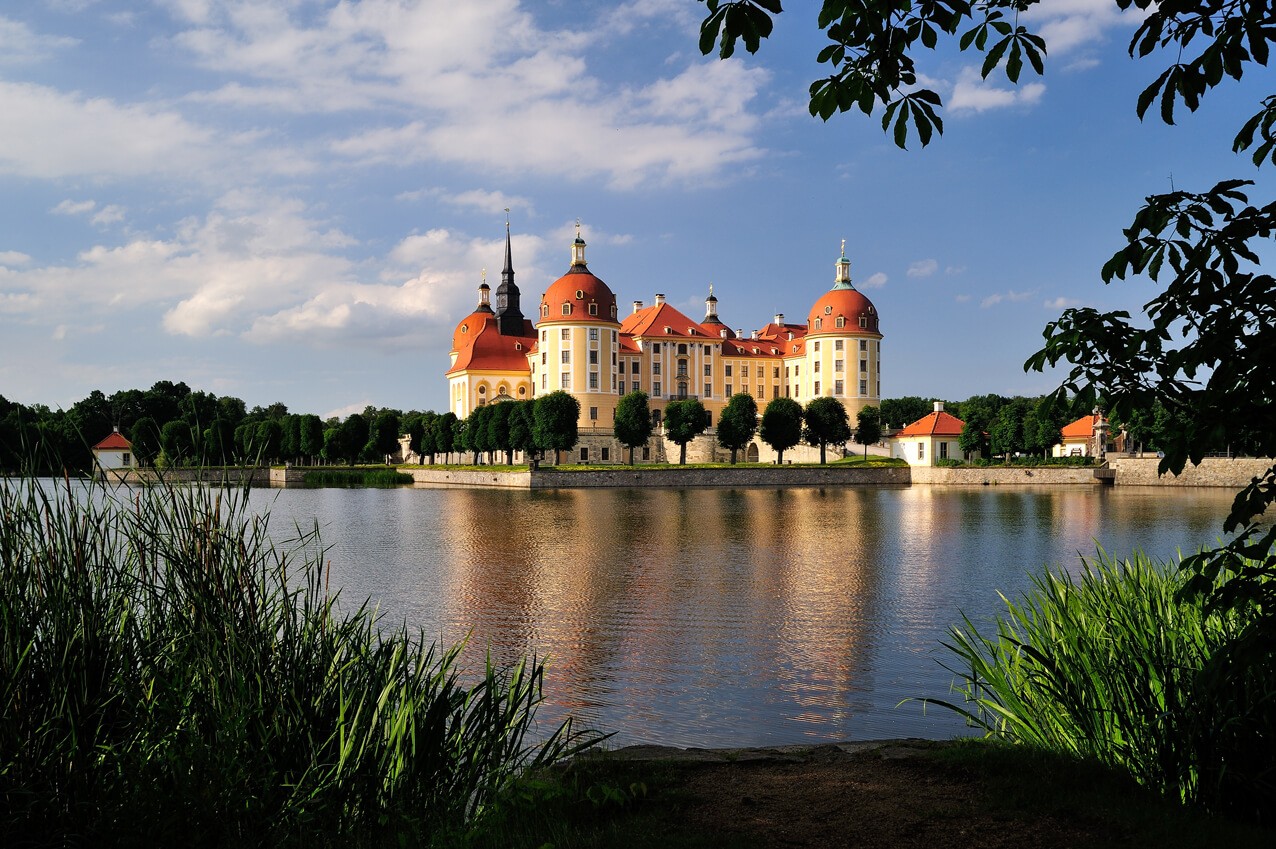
(509, 317)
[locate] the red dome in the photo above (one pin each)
(579, 290)
(848, 304)
(470, 327)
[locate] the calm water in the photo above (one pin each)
(727, 617)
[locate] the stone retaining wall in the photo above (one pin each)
(1003, 476)
(752, 476)
(1213, 471)
(472, 477)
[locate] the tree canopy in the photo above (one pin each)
(555, 425)
(781, 426)
(868, 427)
(738, 423)
(684, 421)
(825, 423)
(633, 421)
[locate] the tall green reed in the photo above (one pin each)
(1120, 666)
(167, 673)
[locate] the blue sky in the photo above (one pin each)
(293, 200)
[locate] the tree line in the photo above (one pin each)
(172, 425)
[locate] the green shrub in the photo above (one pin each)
(167, 675)
(1118, 666)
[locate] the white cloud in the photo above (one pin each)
(1061, 303)
(19, 45)
(1071, 25)
(876, 280)
(489, 201)
(962, 299)
(923, 268)
(11, 258)
(50, 134)
(954, 269)
(972, 93)
(347, 410)
(481, 84)
(74, 207)
(109, 214)
(1009, 297)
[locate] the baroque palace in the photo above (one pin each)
(581, 344)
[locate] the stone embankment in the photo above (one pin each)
(1233, 473)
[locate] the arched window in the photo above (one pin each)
(841, 322)
(544, 310)
(593, 309)
(567, 309)
(819, 322)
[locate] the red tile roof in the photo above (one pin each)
(652, 321)
(482, 347)
(935, 424)
(114, 442)
(1082, 428)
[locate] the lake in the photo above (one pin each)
(723, 617)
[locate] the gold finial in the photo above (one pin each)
(484, 276)
(843, 245)
(710, 290)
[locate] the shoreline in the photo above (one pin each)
(1230, 473)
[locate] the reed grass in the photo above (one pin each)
(357, 477)
(1119, 666)
(169, 676)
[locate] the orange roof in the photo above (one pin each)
(482, 346)
(935, 424)
(849, 304)
(579, 289)
(652, 321)
(114, 442)
(1082, 428)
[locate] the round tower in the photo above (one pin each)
(578, 345)
(843, 345)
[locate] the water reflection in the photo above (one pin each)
(726, 617)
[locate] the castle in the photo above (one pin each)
(582, 345)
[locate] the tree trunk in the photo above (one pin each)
(631, 455)
(779, 457)
(733, 456)
(682, 454)
(821, 453)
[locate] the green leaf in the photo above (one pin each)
(1014, 63)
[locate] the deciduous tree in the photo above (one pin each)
(738, 423)
(868, 427)
(781, 425)
(633, 421)
(684, 421)
(556, 418)
(825, 423)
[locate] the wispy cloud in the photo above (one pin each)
(1061, 303)
(1007, 297)
(923, 268)
(876, 280)
(972, 93)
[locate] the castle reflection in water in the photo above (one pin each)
(727, 617)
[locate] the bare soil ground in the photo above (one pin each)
(913, 795)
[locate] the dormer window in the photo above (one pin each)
(465, 328)
(841, 322)
(544, 310)
(518, 346)
(580, 295)
(613, 310)
(567, 309)
(819, 322)
(593, 309)
(863, 321)
(668, 330)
